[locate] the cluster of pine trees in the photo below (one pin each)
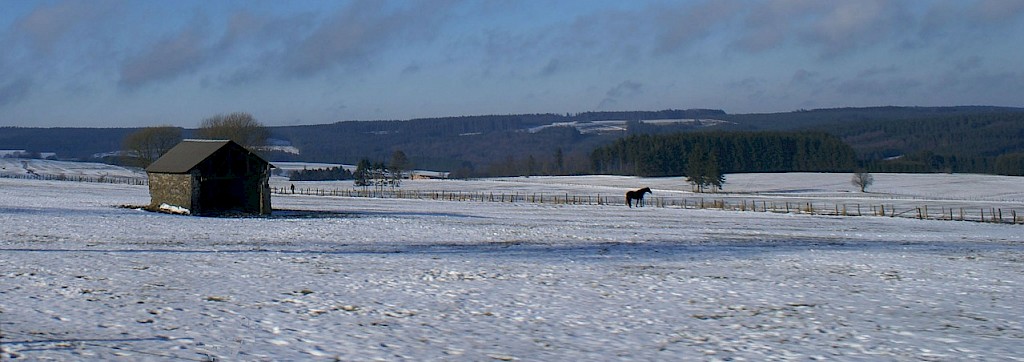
(321, 174)
(379, 175)
(723, 152)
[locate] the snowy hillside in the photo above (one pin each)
(28, 167)
(614, 126)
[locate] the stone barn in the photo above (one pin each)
(211, 177)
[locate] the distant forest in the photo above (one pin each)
(975, 143)
(321, 174)
(967, 139)
(470, 146)
(668, 155)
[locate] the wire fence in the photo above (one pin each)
(830, 208)
(127, 180)
(904, 210)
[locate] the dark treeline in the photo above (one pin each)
(1011, 164)
(975, 143)
(68, 143)
(667, 155)
(825, 119)
(321, 174)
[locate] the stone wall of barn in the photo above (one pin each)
(173, 189)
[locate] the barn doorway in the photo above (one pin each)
(223, 195)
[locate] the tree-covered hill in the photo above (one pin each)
(919, 139)
(825, 119)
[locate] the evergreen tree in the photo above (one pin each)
(713, 172)
(378, 176)
(669, 155)
(559, 161)
(362, 174)
(696, 168)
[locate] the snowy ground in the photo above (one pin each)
(82, 279)
(26, 167)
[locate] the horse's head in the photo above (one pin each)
(646, 190)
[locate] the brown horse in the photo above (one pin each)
(637, 195)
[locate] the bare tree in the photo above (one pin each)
(397, 168)
(862, 179)
(399, 164)
(240, 127)
(148, 144)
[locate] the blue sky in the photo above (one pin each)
(109, 63)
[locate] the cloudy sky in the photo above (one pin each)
(100, 63)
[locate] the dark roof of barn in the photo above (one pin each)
(188, 154)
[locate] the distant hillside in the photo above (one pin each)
(67, 143)
(823, 119)
(959, 139)
(475, 143)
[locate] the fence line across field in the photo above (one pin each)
(924, 211)
(125, 180)
(976, 214)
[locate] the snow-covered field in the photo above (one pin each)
(367, 279)
(28, 167)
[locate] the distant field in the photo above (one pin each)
(22, 167)
(902, 193)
